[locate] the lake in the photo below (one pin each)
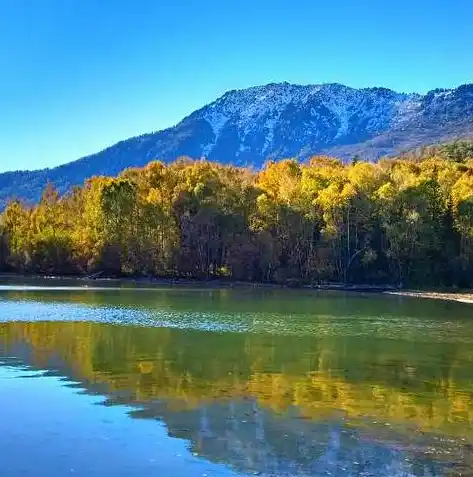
(175, 381)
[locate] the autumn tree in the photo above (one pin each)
(405, 220)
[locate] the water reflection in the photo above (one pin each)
(351, 400)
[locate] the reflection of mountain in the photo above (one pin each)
(260, 403)
(249, 438)
(294, 392)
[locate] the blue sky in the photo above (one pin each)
(79, 75)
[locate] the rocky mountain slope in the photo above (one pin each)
(247, 127)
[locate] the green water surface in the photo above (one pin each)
(174, 381)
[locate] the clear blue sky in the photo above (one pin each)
(79, 75)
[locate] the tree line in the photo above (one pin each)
(400, 221)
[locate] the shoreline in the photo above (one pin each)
(457, 296)
(460, 297)
(197, 283)
(143, 281)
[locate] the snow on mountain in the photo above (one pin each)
(284, 119)
(249, 126)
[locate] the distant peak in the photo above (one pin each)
(276, 120)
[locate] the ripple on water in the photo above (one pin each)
(425, 376)
(294, 324)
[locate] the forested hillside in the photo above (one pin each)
(249, 126)
(400, 221)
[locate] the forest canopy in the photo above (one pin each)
(400, 221)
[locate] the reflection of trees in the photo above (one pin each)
(248, 437)
(191, 369)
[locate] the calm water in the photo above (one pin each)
(197, 382)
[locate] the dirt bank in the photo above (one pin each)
(463, 297)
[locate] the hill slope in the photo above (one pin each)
(274, 121)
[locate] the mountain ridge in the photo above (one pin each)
(249, 126)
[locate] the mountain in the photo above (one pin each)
(249, 126)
